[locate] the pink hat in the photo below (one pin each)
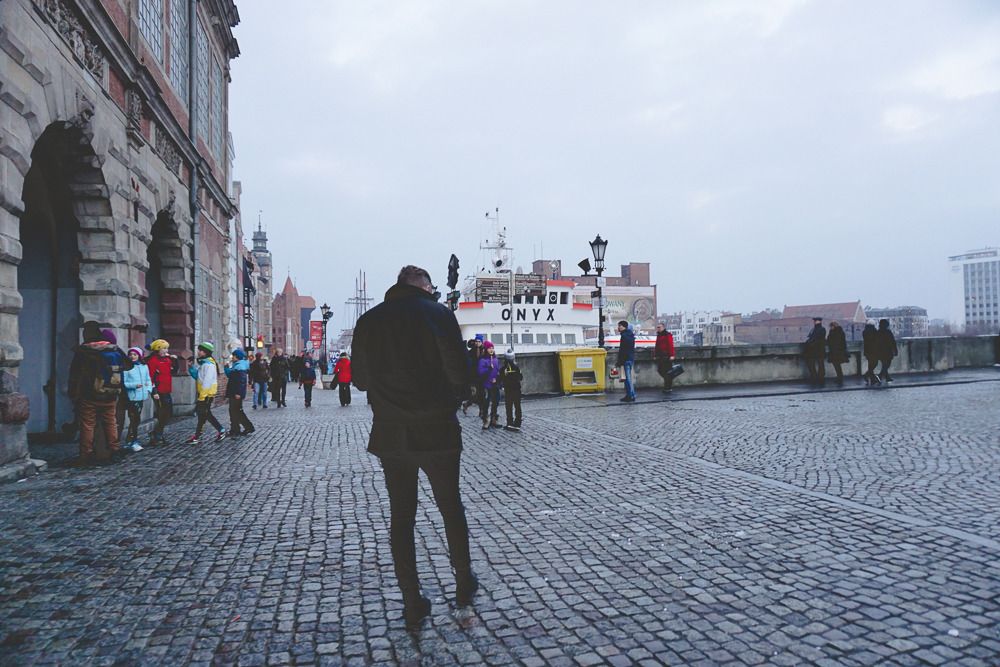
(488, 345)
(137, 350)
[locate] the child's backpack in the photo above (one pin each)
(108, 376)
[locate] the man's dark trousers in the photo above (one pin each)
(345, 392)
(278, 388)
(663, 366)
(817, 369)
(442, 470)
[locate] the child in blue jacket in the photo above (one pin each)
(237, 369)
(138, 387)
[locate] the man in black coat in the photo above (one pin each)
(280, 371)
(416, 381)
(815, 352)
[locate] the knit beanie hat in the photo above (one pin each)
(509, 355)
(137, 350)
(159, 344)
(487, 345)
(109, 336)
(91, 332)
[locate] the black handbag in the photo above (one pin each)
(675, 370)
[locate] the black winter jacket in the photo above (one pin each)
(836, 342)
(816, 342)
(408, 354)
(886, 343)
(280, 368)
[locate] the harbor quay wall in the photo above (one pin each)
(739, 364)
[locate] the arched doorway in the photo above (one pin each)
(167, 312)
(48, 276)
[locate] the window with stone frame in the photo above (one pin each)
(151, 25)
(218, 117)
(180, 50)
(202, 87)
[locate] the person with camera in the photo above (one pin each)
(237, 369)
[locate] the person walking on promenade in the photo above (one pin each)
(307, 378)
(95, 383)
(205, 372)
(815, 351)
(342, 371)
(489, 386)
(279, 377)
(626, 359)
(237, 370)
(511, 378)
(664, 354)
(886, 347)
(869, 347)
(416, 383)
(162, 365)
(260, 376)
(475, 346)
(836, 343)
(138, 387)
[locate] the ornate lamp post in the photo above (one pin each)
(327, 314)
(598, 246)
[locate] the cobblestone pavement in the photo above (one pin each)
(843, 528)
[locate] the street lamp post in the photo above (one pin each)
(327, 314)
(598, 246)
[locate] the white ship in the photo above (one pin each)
(525, 312)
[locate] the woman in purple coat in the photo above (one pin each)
(489, 376)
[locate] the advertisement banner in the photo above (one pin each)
(316, 332)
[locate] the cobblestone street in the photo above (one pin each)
(827, 528)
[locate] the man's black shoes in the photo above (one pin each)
(415, 612)
(465, 589)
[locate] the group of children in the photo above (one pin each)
(489, 375)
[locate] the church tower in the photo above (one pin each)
(265, 291)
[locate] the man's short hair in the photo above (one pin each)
(623, 323)
(413, 275)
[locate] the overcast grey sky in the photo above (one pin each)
(757, 153)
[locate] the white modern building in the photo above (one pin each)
(974, 288)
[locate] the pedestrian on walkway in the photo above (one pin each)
(626, 359)
(260, 376)
(307, 378)
(836, 343)
(162, 365)
(280, 370)
(489, 386)
(664, 355)
(815, 352)
(95, 383)
(886, 346)
(342, 373)
(414, 423)
(475, 347)
(237, 370)
(869, 346)
(138, 387)
(511, 378)
(205, 372)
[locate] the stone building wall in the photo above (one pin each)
(95, 173)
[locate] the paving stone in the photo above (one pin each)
(775, 530)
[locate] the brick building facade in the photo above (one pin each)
(114, 189)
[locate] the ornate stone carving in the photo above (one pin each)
(84, 113)
(133, 101)
(79, 39)
(166, 149)
(133, 110)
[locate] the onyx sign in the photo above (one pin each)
(530, 315)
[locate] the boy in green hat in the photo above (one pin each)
(206, 376)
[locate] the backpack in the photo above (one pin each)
(108, 375)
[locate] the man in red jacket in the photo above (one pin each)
(664, 355)
(162, 365)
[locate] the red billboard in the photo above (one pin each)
(316, 332)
